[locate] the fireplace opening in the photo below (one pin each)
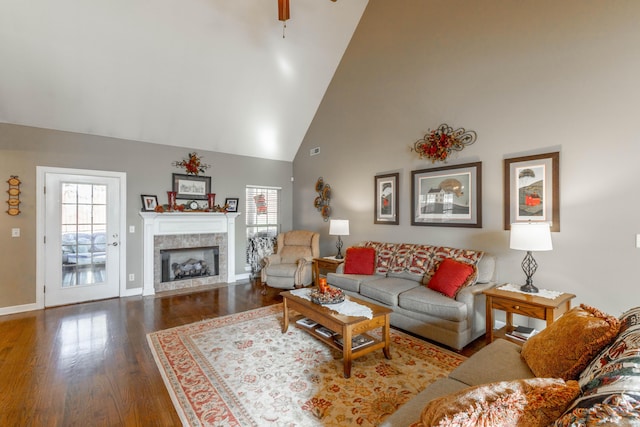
(189, 263)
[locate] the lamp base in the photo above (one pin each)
(339, 246)
(529, 288)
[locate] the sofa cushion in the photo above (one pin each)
(486, 268)
(384, 255)
(450, 276)
(386, 290)
(528, 402)
(351, 282)
(401, 254)
(360, 260)
(564, 348)
(611, 382)
(421, 260)
(424, 300)
(409, 413)
(499, 361)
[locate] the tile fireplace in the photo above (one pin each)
(191, 233)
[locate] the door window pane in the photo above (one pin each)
(83, 237)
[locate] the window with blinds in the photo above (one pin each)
(262, 206)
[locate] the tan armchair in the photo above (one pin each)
(291, 266)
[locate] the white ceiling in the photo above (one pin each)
(204, 74)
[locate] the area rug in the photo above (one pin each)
(241, 370)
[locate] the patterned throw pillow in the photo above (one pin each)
(528, 403)
(564, 348)
(384, 255)
(611, 382)
(402, 257)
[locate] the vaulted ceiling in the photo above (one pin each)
(204, 74)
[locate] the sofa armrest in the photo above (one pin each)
(475, 301)
(474, 290)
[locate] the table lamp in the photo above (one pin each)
(530, 236)
(339, 227)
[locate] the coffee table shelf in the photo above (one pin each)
(347, 326)
(331, 341)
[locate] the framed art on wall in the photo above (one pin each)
(386, 199)
(191, 186)
(532, 190)
(149, 203)
(449, 196)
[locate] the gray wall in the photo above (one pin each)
(149, 171)
(530, 76)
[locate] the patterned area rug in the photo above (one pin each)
(240, 370)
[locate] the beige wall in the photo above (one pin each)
(148, 168)
(529, 76)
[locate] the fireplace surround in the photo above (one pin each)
(181, 230)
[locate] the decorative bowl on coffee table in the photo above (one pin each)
(329, 296)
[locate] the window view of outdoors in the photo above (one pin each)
(84, 240)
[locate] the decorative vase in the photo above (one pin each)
(211, 200)
(171, 196)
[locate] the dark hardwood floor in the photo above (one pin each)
(89, 364)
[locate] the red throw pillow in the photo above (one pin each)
(450, 276)
(360, 260)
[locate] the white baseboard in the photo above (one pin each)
(19, 308)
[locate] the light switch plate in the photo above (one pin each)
(15, 232)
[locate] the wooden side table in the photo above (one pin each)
(529, 305)
(327, 264)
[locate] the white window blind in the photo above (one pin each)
(262, 211)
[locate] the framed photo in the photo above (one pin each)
(532, 190)
(386, 199)
(232, 204)
(149, 203)
(191, 186)
(449, 196)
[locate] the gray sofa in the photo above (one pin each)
(499, 361)
(610, 382)
(401, 273)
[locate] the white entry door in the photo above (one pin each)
(82, 237)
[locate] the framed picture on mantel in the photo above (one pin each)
(191, 186)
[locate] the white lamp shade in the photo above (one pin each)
(531, 236)
(339, 227)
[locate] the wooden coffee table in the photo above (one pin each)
(347, 326)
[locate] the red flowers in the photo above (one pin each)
(192, 165)
(439, 143)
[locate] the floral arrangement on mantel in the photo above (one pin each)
(184, 208)
(438, 144)
(193, 165)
